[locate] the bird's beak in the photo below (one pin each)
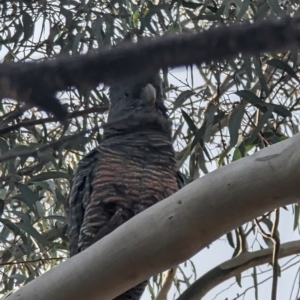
(148, 94)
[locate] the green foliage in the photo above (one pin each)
(223, 112)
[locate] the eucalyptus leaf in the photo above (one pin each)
(28, 228)
(28, 25)
(27, 193)
(260, 75)
(182, 97)
(277, 63)
(235, 121)
(263, 120)
(20, 278)
(189, 121)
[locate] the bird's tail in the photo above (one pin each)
(135, 293)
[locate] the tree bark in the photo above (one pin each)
(176, 228)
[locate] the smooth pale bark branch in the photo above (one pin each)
(234, 267)
(176, 228)
(168, 278)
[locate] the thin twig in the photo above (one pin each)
(44, 147)
(261, 231)
(32, 261)
(74, 114)
(276, 247)
(276, 242)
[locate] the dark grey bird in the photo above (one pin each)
(133, 168)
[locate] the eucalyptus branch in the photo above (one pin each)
(234, 267)
(157, 250)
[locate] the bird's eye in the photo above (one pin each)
(126, 95)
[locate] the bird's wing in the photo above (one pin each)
(79, 194)
(79, 198)
(180, 180)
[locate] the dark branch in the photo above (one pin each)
(37, 83)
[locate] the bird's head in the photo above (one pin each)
(135, 97)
